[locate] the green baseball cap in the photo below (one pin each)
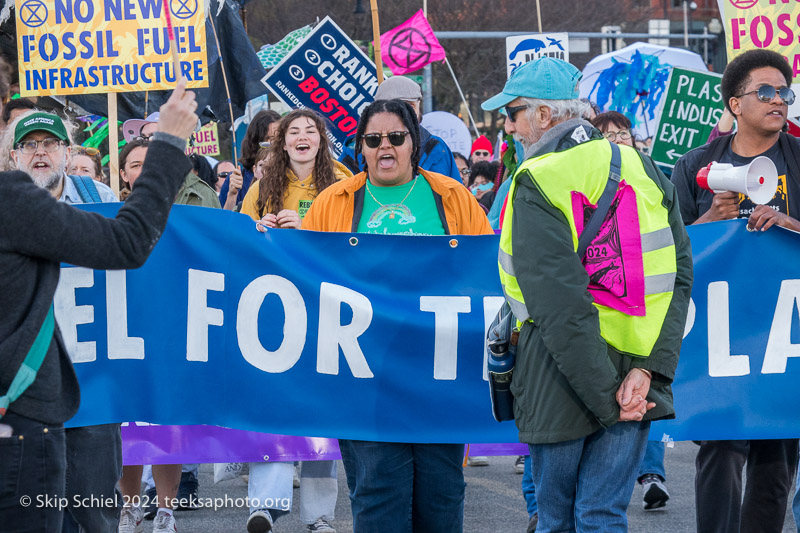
(40, 122)
(545, 78)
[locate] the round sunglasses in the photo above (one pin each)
(396, 138)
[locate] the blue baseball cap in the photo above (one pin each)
(545, 78)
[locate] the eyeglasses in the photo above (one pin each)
(30, 147)
(88, 150)
(511, 111)
(264, 144)
(397, 138)
(622, 135)
(143, 138)
(224, 175)
(481, 153)
(767, 92)
(464, 172)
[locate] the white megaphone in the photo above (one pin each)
(758, 180)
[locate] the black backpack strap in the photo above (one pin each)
(596, 220)
(714, 151)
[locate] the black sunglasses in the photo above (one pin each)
(766, 93)
(511, 111)
(397, 138)
(224, 175)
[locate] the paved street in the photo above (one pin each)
(493, 503)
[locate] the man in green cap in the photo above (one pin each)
(601, 328)
(41, 149)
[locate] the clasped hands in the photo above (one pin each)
(632, 396)
(284, 219)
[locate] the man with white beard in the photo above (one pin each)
(41, 148)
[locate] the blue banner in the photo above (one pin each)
(328, 73)
(381, 337)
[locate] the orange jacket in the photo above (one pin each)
(334, 207)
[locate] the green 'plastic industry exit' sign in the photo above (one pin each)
(690, 110)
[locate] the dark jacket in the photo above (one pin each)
(566, 376)
(38, 234)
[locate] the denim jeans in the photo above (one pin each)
(529, 489)
(269, 487)
(405, 487)
(585, 484)
(32, 469)
(771, 466)
(653, 462)
(319, 489)
(94, 466)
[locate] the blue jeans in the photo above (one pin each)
(653, 462)
(36, 471)
(94, 466)
(529, 489)
(586, 484)
(405, 487)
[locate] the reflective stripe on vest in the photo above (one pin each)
(559, 177)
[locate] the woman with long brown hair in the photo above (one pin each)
(294, 169)
(297, 168)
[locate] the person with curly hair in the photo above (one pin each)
(289, 174)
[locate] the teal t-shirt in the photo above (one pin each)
(408, 209)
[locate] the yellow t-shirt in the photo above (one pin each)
(298, 196)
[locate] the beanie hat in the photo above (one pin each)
(482, 143)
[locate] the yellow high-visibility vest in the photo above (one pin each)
(633, 288)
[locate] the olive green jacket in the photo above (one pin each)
(195, 191)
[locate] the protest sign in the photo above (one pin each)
(206, 141)
(397, 356)
(768, 24)
(75, 47)
(451, 129)
(750, 24)
(689, 111)
(521, 49)
(328, 73)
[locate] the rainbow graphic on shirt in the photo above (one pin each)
(400, 212)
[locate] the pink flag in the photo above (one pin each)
(410, 46)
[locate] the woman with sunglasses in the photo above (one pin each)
(222, 170)
(87, 161)
(392, 482)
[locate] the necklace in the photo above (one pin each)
(391, 215)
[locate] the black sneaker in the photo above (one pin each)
(533, 523)
(151, 508)
(187, 493)
(654, 493)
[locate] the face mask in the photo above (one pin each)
(485, 187)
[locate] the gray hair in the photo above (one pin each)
(7, 140)
(560, 110)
